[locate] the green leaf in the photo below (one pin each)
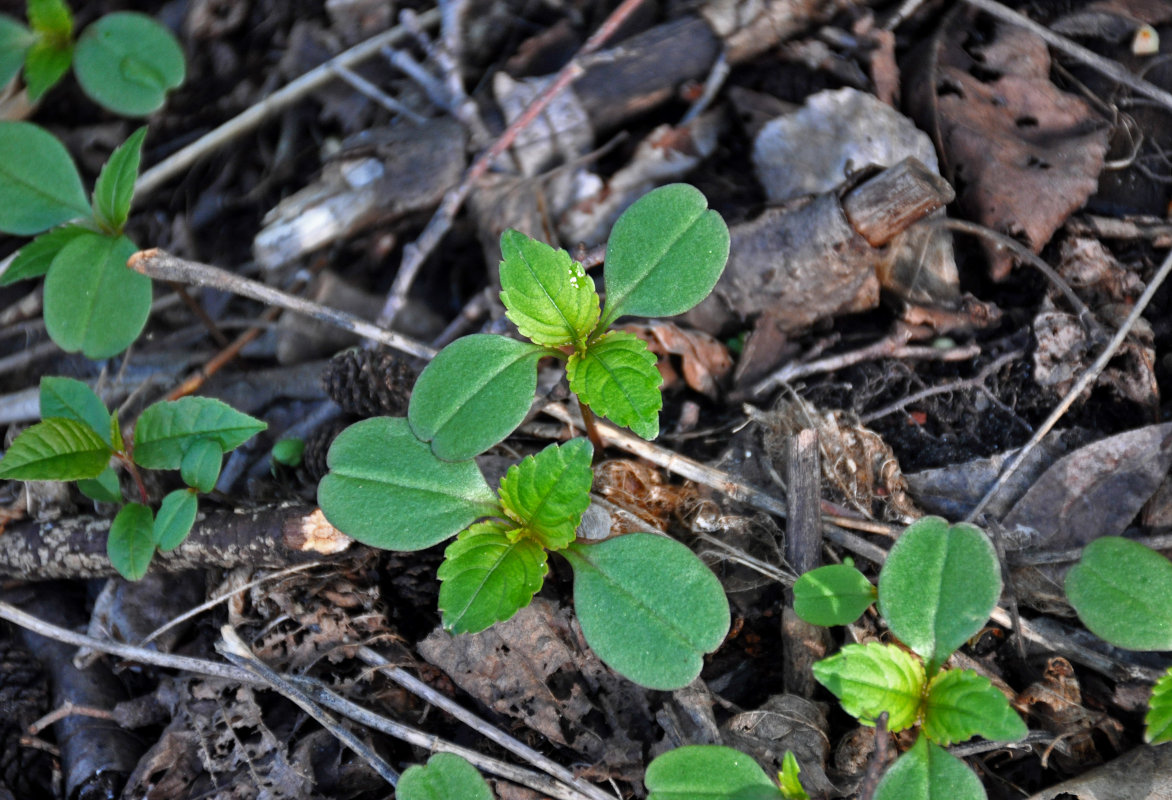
(127, 63)
(39, 185)
(71, 399)
(105, 488)
(872, 678)
(50, 18)
(617, 378)
(836, 594)
(488, 574)
(93, 302)
(289, 451)
(446, 777)
(55, 450)
(547, 493)
(938, 587)
(648, 607)
(165, 430)
(45, 63)
(962, 704)
(1122, 592)
(114, 190)
(664, 255)
(928, 772)
(33, 260)
(386, 488)
(474, 394)
(175, 518)
(546, 294)
(131, 544)
(791, 786)
(708, 772)
(15, 41)
(1158, 722)
(200, 467)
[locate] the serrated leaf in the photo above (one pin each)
(165, 430)
(547, 295)
(114, 189)
(791, 786)
(617, 378)
(200, 467)
(50, 17)
(55, 450)
(1122, 592)
(15, 40)
(33, 260)
(68, 398)
(928, 772)
(872, 678)
(708, 772)
(176, 516)
(488, 575)
(664, 254)
(105, 488)
(127, 62)
(473, 394)
(648, 607)
(1158, 722)
(836, 594)
(130, 544)
(962, 704)
(446, 777)
(938, 587)
(387, 489)
(45, 63)
(39, 185)
(547, 493)
(93, 302)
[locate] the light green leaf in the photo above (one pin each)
(45, 63)
(488, 574)
(474, 394)
(175, 518)
(50, 18)
(127, 63)
(93, 302)
(546, 294)
(1158, 722)
(387, 489)
(200, 467)
(1122, 592)
(547, 493)
(962, 704)
(130, 544)
(33, 260)
(938, 587)
(15, 40)
(708, 772)
(928, 772)
(617, 378)
(105, 488)
(872, 678)
(791, 786)
(165, 430)
(664, 255)
(836, 594)
(648, 607)
(55, 450)
(39, 185)
(446, 777)
(71, 399)
(114, 190)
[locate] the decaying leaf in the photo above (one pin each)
(785, 722)
(1055, 704)
(639, 488)
(704, 359)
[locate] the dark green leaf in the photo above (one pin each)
(488, 574)
(175, 518)
(618, 379)
(131, 544)
(165, 430)
(1158, 722)
(55, 450)
(872, 678)
(200, 467)
(71, 399)
(50, 18)
(127, 63)
(114, 190)
(33, 260)
(45, 63)
(648, 607)
(836, 594)
(39, 185)
(1122, 592)
(962, 704)
(474, 394)
(446, 777)
(928, 772)
(708, 772)
(387, 489)
(546, 294)
(15, 40)
(547, 493)
(105, 488)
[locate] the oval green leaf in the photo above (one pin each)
(962, 704)
(200, 466)
(547, 493)
(664, 255)
(648, 607)
(446, 777)
(34, 259)
(165, 430)
(114, 189)
(473, 394)
(836, 594)
(105, 488)
(1158, 722)
(546, 294)
(174, 520)
(928, 772)
(488, 574)
(1122, 592)
(68, 398)
(708, 772)
(131, 544)
(617, 378)
(127, 63)
(39, 185)
(387, 489)
(15, 41)
(56, 450)
(872, 678)
(938, 587)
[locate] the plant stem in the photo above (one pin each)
(591, 428)
(133, 470)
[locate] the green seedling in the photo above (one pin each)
(647, 605)
(125, 62)
(1122, 592)
(445, 777)
(78, 439)
(715, 772)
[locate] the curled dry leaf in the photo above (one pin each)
(1055, 703)
(704, 359)
(639, 488)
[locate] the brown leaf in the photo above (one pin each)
(1055, 703)
(705, 360)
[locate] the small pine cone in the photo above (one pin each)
(369, 383)
(317, 446)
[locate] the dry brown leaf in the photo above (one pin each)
(1055, 703)
(704, 359)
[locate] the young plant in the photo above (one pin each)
(77, 438)
(93, 302)
(126, 62)
(647, 605)
(1122, 592)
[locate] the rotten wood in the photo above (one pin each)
(887, 205)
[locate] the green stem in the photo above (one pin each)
(134, 473)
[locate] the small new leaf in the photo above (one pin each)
(34, 258)
(546, 294)
(174, 520)
(39, 184)
(617, 378)
(836, 594)
(114, 189)
(962, 704)
(547, 493)
(446, 777)
(488, 576)
(130, 545)
(708, 772)
(1158, 722)
(1122, 592)
(872, 678)
(791, 786)
(45, 63)
(165, 430)
(56, 450)
(200, 467)
(50, 18)
(127, 63)
(71, 399)
(928, 772)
